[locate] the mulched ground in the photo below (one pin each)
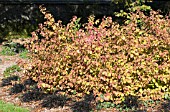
(26, 94)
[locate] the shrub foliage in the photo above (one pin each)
(102, 57)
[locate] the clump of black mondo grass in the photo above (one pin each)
(54, 101)
(8, 81)
(85, 105)
(17, 88)
(33, 95)
(29, 82)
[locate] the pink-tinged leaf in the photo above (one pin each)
(119, 77)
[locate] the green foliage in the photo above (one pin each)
(105, 105)
(16, 35)
(167, 96)
(7, 51)
(19, 25)
(24, 54)
(129, 106)
(14, 31)
(12, 48)
(129, 3)
(8, 107)
(102, 57)
(133, 7)
(10, 70)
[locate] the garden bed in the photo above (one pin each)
(24, 93)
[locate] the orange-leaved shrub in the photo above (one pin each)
(102, 57)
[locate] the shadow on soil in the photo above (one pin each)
(54, 101)
(32, 93)
(132, 103)
(86, 105)
(135, 105)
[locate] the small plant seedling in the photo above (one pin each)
(105, 105)
(24, 54)
(167, 96)
(8, 72)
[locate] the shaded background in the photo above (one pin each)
(18, 19)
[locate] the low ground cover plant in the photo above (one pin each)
(7, 51)
(11, 70)
(111, 61)
(13, 48)
(24, 54)
(8, 107)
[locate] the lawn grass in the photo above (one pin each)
(8, 107)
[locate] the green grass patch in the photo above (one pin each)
(7, 51)
(12, 48)
(24, 54)
(8, 107)
(8, 72)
